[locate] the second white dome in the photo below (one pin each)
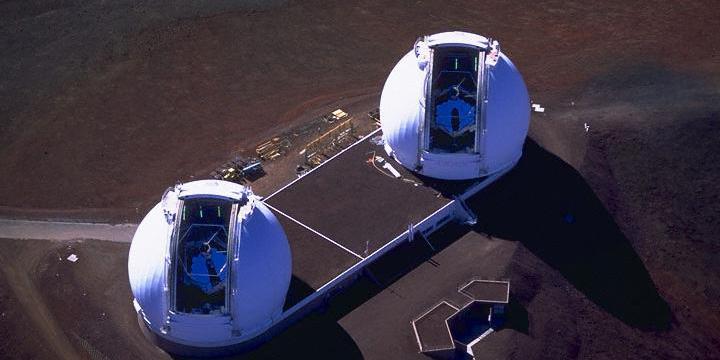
(455, 108)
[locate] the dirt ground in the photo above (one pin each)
(283, 170)
(54, 308)
(104, 104)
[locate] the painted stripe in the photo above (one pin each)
(314, 231)
(321, 165)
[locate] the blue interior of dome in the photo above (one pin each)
(202, 256)
(454, 99)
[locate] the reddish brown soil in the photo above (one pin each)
(106, 104)
(54, 308)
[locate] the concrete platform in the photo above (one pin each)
(348, 212)
(355, 204)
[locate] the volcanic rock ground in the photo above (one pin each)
(609, 236)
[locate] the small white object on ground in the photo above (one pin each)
(377, 140)
(73, 258)
(392, 170)
(587, 127)
(538, 108)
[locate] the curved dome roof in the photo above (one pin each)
(455, 107)
(209, 265)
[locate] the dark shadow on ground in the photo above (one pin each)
(298, 290)
(317, 336)
(387, 269)
(546, 205)
(409, 255)
(517, 317)
(448, 188)
(543, 203)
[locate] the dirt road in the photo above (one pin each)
(47, 230)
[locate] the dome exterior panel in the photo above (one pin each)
(146, 265)
(402, 100)
(261, 281)
(451, 166)
(508, 115)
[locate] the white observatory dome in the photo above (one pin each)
(209, 266)
(454, 108)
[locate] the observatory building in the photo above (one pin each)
(209, 266)
(455, 108)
